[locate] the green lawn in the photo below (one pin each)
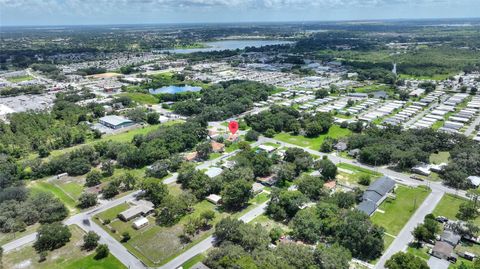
(359, 170)
(398, 211)
(142, 98)
(69, 256)
(20, 78)
(314, 143)
(440, 157)
(113, 212)
(449, 206)
(419, 252)
(214, 155)
(197, 258)
(59, 193)
(110, 262)
(387, 241)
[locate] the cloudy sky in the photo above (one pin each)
(55, 12)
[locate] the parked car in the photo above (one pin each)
(442, 219)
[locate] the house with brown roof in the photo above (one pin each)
(217, 147)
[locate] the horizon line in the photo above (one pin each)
(243, 22)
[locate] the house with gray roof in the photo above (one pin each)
(376, 194)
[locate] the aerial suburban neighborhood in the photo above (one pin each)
(345, 143)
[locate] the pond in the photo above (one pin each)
(175, 89)
(230, 45)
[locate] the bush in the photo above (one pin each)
(270, 133)
(364, 180)
(101, 252)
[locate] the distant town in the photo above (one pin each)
(280, 145)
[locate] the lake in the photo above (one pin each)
(231, 45)
(175, 89)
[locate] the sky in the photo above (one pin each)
(86, 12)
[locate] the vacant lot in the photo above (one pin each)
(69, 256)
(20, 78)
(449, 206)
(399, 210)
(440, 157)
(142, 98)
(45, 186)
(313, 143)
(349, 175)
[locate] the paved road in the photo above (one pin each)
(76, 219)
(405, 236)
(472, 126)
(209, 241)
(397, 176)
(425, 111)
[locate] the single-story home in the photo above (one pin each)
(422, 169)
(474, 180)
(443, 250)
(213, 172)
(140, 223)
(450, 237)
(217, 147)
(191, 156)
(376, 194)
(257, 188)
(268, 181)
(214, 199)
(267, 148)
(115, 122)
(141, 208)
(341, 146)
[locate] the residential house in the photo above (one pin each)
(375, 194)
(140, 208)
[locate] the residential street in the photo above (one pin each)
(119, 251)
(405, 236)
(208, 242)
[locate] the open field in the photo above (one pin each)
(69, 256)
(20, 78)
(398, 211)
(142, 98)
(449, 206)
(313, 143)
(44, 186)
(440, 157)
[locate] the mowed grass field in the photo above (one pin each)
(44, 186)
(449, 206)
(70, 256)
(313, 143)
(142, 98)
(398, 211)
(19, 78)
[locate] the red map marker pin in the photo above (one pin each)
(233, 126)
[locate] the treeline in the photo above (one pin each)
(407, 148)
(15, 91)
(143, 150)
(45, 131)
(224, 100)
(285, 119)
(242, 245)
